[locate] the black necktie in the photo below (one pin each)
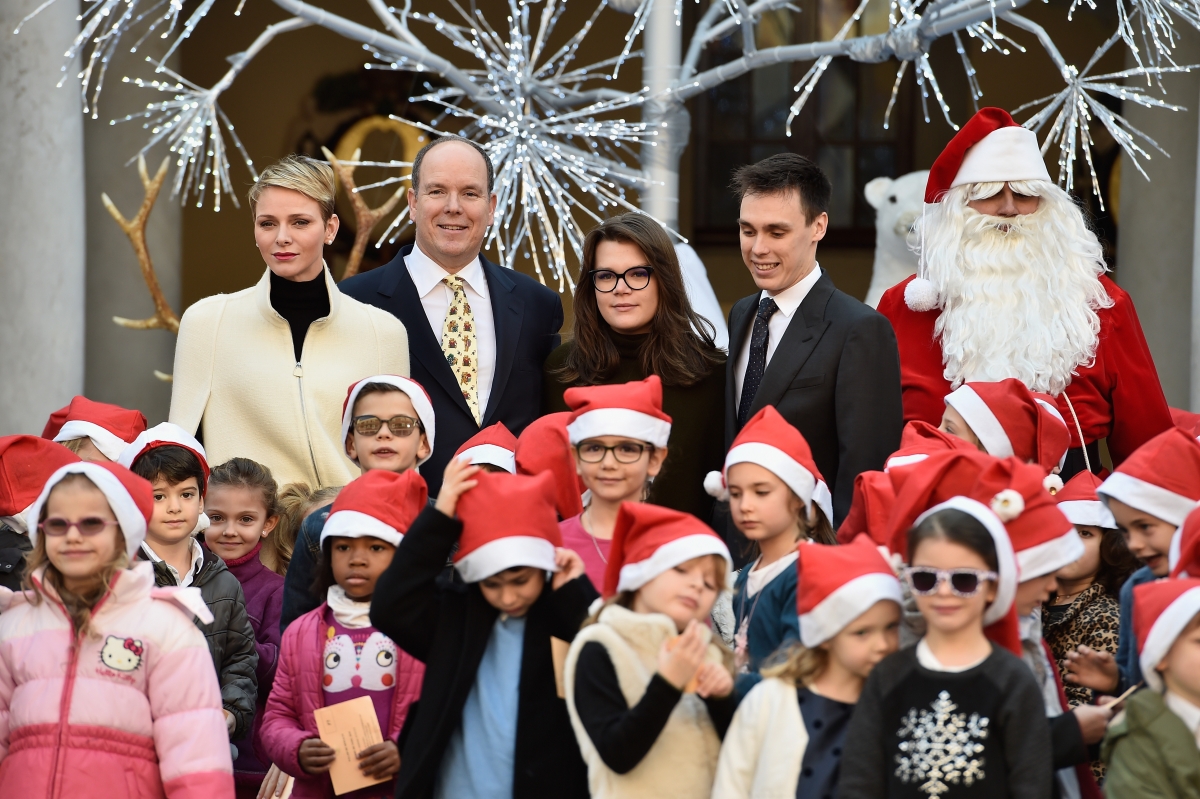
(757, 363)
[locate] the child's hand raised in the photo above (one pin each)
(456, 481)
(713, 680)
(1093, 669)
(680, 659)
(315, 756)
(380, 761)
(570, 566)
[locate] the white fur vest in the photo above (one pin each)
(764, 747)
(683, 761)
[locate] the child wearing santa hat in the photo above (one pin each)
(618, 435)
(101, 672)
(777, 498)
(1006, 419)
(1149, 496)
(387, 424)
(334, 654)
(1151, 748)
(649, 689)
(95, 431)
(788, 733)
(26, 462)
(545, 446)
(493, 449)
(490, 722)
(963, 575)
(174, 463)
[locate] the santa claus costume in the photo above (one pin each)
(1022, 296)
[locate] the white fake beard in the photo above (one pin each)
(1019, 295)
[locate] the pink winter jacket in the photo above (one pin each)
(298, 691)
(132, 711)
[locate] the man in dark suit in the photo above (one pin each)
(477, 333)
(828, 363)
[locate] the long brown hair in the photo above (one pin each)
(680, 347)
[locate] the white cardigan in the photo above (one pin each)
(235, 369)
(764, 747)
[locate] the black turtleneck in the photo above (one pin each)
(300, 304)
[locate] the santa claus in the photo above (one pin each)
(1012, 283)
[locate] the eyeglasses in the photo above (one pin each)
(625, 452)
(92, 525)
(963, 582)
(400, 426)
(637, 278)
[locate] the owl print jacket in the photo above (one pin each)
(133, 709)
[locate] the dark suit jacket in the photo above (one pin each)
(835, 376)
(528, 317)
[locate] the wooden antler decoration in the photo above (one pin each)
(365, 217)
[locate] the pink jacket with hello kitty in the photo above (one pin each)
(298, 691)
(132, 711)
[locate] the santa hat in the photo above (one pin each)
(918, 441)
(411, 388)
(525, 533)
(1186, 561)
(769, 441)
(130, 497)
(110, 427)
(1080, 504)
(1186, 421)
(26, 463)
(837, 584)
(870, 507)
(493, 446)
(623, 409)
(544, 446)
(648, 540)
(164, 435)
(990, 148)
(1162, 610)
(380, 504)
(1161, 477)
(1009, 421)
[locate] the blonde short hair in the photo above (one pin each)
(312, 178)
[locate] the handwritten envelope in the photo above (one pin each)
(349, 727)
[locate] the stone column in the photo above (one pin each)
(42, 261)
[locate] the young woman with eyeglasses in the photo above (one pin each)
(632, 320)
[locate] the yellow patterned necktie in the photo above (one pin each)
(459, 345)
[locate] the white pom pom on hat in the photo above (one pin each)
(714, 485)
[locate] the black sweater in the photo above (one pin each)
(432, 615)
(909, 717)
(300, 304)
(622, 734)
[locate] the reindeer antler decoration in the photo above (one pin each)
(365, 217)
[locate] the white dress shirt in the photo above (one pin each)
(788, 301)
(435, 295)
(1188, 713)
(183, 580)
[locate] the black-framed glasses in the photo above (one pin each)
(637, 278)
(924, 580)
(623, 452)
(400, 426)
(56, 526)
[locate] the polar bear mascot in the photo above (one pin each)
(897, 205)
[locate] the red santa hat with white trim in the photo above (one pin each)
(1162, 610)
(524, 534)
(990, 148)
(26, 463)
(110, 427)
(380, 504)
(411, 388)
(1186, 562)
(870, 507)
(1009, 421)
(543, 446)
(918, 441)
(491, 446)
(165, 435)
(837, 584)
(769, 441)
(649, 540)
(1081, 505)
(631, 409)
(130, 497)
(1161, 477)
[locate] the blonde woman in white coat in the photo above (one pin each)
(266, 369)
(787, 736)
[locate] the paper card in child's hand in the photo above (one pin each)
(558, 653)
(349, 727)
(693, 683)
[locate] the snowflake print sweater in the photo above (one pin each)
(979, 733)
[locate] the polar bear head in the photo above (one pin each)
(121, 654)
(897, 205)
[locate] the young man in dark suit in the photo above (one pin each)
(477, 333)
(828, 363)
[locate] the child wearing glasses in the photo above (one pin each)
(777, 498)
(387, 424)
(788, 733)
(106, 686)
(619, 435)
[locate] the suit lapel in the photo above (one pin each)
(798, 343)
(740, 318)
(507, 312)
